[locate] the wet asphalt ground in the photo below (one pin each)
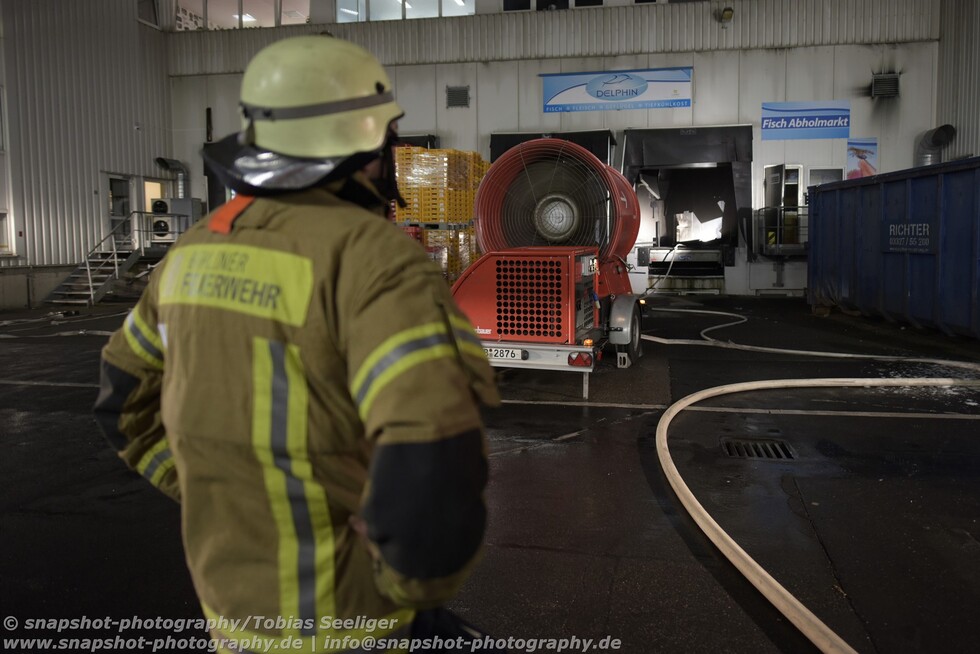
(873, 524)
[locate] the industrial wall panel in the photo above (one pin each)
(679, 116)
(959, 76)
(900, 126)
(530, 99)
(222, 95)
(190, 99)
(497, 89)
(810, 77)
(611, 31)
(417, 94)
(4, 191)
(87, 93)
(717, 71)
(762, 79)
(456, 123)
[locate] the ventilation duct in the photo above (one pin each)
(884, 85)
(183, 183)
(928, 149)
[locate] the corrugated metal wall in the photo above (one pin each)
(959, 75)
(87, 93)
(638, 29)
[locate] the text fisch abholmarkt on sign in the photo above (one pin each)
(825, 119)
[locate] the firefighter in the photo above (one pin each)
(297, 375)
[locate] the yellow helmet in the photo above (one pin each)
(312, 107)
(316, 97)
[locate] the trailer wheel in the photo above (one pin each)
(636, 334)
(634, 349)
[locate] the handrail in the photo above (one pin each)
(138, 228)
(91, 286)
(112, 232)
(113, 250)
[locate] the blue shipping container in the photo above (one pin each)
(904, 245)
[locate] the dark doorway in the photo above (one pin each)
(706, 171)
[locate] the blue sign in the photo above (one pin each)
(656, 88)
(828, 119)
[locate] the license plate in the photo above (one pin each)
(498, 353)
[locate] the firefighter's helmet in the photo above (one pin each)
(309, 104)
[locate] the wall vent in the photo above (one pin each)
(884, 85)
(457, 96)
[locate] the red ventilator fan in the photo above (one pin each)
(555, 224)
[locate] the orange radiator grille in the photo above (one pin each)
(529, 297)
(531, 294)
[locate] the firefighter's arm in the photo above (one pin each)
(128, 405)
(425, 517)
(419, 376)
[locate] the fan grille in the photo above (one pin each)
(557, 201)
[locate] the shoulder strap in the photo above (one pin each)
(222, 219)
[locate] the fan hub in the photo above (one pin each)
(556, 217)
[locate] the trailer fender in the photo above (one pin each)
(621, 319)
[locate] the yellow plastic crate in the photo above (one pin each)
(439, 186)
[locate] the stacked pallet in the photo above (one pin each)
(453, 248)
(439, 187)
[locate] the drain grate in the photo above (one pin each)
(757, 449)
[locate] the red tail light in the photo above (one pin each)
(580, 360)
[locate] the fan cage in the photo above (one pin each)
(550, 182)
(512, 200)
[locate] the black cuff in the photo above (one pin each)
(425, 511)
(115, 386)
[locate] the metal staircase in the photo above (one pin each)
(107, 264)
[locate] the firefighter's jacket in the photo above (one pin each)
(294, 362)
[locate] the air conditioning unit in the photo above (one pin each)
(170, 217)
(163, 229)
